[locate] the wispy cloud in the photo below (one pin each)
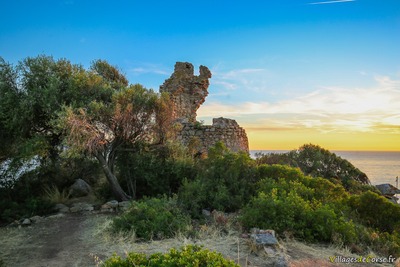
(330, 2)
(329, 109)
(251, 79)
(145, 68)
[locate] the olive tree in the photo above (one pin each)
(102, 130)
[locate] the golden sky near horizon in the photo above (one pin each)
(366, 119)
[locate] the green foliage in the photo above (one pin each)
(189, 255)
(109, 73)
(226, 182)
(24, 198)
(289, 201)
(376, 211)
(153, 218)
(33, 93)
(318, 162)
(152, 172)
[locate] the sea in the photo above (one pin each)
(381, 167)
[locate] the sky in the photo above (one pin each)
(290, 72)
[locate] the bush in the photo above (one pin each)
(376, 211)
(309, 208)
(318, 162)
(153, 218)
(187, 256)
(154, 172)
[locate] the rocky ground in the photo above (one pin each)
(81, 239)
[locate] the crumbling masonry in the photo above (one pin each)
(188, 92)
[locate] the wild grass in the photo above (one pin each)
(54, 195)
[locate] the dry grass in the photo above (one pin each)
(54, 195)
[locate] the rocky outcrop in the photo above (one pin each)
(389, 191)
(188, 92)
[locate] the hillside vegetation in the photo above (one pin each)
(77, 123)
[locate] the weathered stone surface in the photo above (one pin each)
(36, 219)
(80, 188)
(113, 203)
(264, 237)
(26, 222)
(81, 206)
(188, 92)
(56, 216)
(61, 208)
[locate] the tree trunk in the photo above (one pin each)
(116, 188)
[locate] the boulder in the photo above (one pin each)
(263, 237)
(388, 189)
(80, 188)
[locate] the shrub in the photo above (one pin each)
(290, 201)
(154, 172)
(318, 162)
(187, 256)
(376, 211)
(153, 218)
(226, 182)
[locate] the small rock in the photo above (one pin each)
(124, 205)
(106, 209)
(113, 204)
(26, 222)
(61, 208)
(245, 235)
(282, 261)
(77, 207)
(36, 219)
(206, 213)
(269, 251)
(56, 216)
(264, 237)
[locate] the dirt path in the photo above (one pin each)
(63, 241)
(75, 240)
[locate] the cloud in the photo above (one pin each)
(329, 109)
(251, 79)
(330, 2)
(145, 68)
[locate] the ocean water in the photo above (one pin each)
(380, 167)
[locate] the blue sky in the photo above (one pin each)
(289, 71)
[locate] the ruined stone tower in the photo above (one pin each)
(188, 92)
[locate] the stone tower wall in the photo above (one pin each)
(188, 92)
(226, 130)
